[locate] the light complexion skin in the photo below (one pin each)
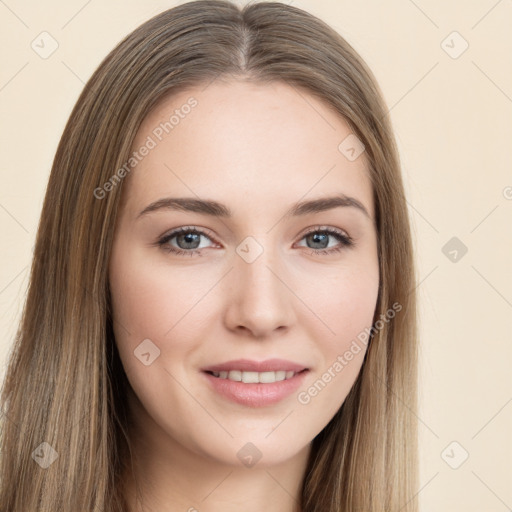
(258, 150)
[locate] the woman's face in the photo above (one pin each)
(259, 279)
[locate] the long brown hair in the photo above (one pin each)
(65, 385)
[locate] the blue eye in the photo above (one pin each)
(189, 237)
(190, 240)
(321, 237)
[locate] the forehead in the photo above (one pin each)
(245, 143)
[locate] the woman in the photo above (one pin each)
(221, 311)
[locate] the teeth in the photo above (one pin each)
(249, 377)
(255, 377)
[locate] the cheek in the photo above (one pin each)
(355, 307)
(140, 302)
(345, 301)
(153, 300)
(150, 298)
(347, 308)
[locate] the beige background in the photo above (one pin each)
(453, 122)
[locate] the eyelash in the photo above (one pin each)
(345, 241)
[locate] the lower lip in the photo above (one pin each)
(256, 395)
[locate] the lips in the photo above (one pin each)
(247, 365)
(255, 383)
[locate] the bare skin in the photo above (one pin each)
(257, 149)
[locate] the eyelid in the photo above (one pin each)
(314, 229)
(186, 229)
(209, 234)
(205, 232)
(344, 239)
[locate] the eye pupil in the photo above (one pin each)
(189, 239)
(320, 238)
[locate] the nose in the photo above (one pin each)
(259, 300)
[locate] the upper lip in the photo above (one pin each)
(247, 365)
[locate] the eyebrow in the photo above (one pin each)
(216, 209)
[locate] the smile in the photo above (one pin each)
(255, 377)
(254, 389)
